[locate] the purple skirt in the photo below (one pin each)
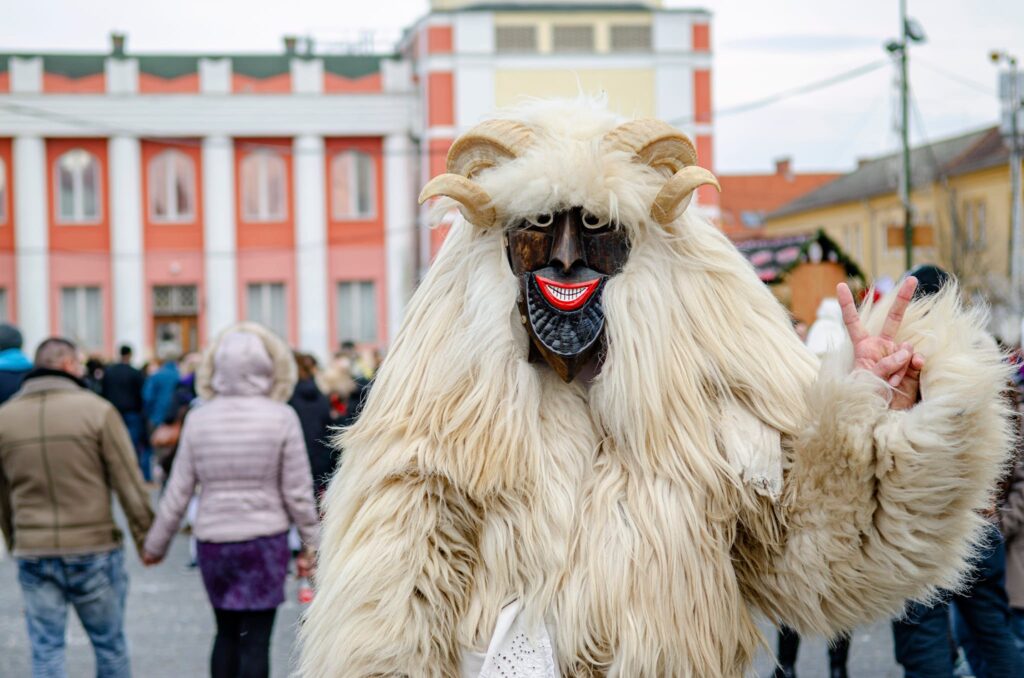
(245, 575)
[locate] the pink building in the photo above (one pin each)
(155, 199)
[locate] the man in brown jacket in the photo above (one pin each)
(62, 450)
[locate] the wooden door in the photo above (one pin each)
(176, 334)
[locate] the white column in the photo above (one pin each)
(311, 244)
(219, 234)
(122, 75)
(308, 75)
(31, 240)
(399, 225)
(126, 241)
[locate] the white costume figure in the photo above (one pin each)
(703, 466)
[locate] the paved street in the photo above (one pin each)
(170, 628)
(170, 624)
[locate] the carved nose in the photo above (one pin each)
(566, 249)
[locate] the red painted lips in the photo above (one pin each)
(566, 296)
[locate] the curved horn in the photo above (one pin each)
(474, 202)
(487, 144)
(674, 197)
(653, 142)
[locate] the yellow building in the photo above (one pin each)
(470, 57)
(961, 205)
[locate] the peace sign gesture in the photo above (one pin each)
(896, 363)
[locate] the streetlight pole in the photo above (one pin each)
(908, 226)
(910, 31)
(1016, 227)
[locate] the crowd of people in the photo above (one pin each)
(245, 428)
(236, 438)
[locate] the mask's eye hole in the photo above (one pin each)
(592, 221)
(541, 220)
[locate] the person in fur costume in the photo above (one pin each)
(598, 448)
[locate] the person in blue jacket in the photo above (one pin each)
(13, 363)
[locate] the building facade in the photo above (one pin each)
(155, 199)
(961, 201)
(470, 57)
(747, 198)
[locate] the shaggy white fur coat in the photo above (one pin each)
(711, 470)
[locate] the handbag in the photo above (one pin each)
(165, 435)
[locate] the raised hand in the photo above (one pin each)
(897, 364)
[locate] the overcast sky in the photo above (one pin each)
(761, 47)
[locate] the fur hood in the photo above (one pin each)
(236, 364)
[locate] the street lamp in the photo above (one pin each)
(910, 31)
(1012, 97)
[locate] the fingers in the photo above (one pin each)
(899, 307)
(850, 316)
(891, 367)
(898, 377)
(910, 388)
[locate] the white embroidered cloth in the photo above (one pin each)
(514, 651)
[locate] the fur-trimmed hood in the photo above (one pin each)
(247, 359)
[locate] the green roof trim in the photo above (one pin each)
(73, 65)
(571, 7)
(261, 66)
(565, 7)
(168, 66)
(176, 65)
(353, 65)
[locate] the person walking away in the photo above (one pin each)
(922, 637)
(122, 386)
(243, 448)
(13, 363)
(158, 403)
(63, 449)
(93, 377)
(314, 410)
(1011, 520)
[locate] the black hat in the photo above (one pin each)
(930, 279)
(10, 337)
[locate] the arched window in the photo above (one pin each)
(3, 192)
(264, 186)
(172, 187)
(353, 186)
(78, 187)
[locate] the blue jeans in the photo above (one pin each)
(924, 640)
(1018, 627)
(136, 426)
(96, 584)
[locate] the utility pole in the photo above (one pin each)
(1013, 107)
(908, 225)
(910, 31)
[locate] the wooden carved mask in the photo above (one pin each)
(563, 261)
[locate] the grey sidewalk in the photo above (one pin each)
(170, 629)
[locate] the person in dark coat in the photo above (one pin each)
(981, 610)
(122, 386)
(314, 410)
(13, 363)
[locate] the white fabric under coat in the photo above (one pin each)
(514, 651)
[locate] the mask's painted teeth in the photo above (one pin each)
(566, 296)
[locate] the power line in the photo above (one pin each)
(795, 91)
(105, 130)
(966, 82)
